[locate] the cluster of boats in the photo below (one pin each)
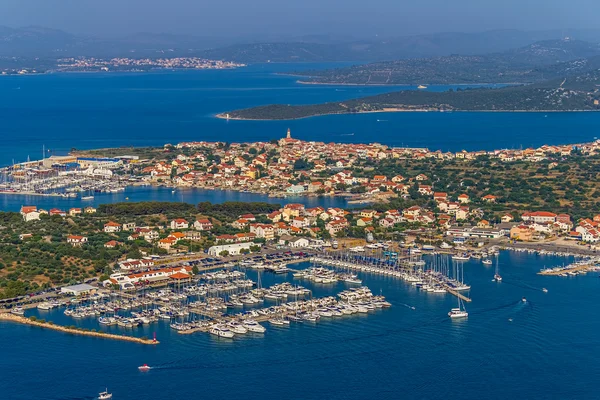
(429, 280)
(358, 300)
(581, 267)
(324, 275)
(542, 252)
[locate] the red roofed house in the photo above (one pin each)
(56, 211)
(488, 198)
(111, 227)
(111, 245)
(203, 225)
(539, 217)
(76, 241)
(440, 196)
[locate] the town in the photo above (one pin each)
(95, 64)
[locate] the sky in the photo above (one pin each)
(235, 18)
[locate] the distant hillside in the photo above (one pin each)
(533, 63)
(33, 42)
(576, 93)
(383, 49)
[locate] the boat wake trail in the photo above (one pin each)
(523, 285)
(408, 306)
(497, 308)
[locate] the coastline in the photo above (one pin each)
(223, 115)
(7, 316)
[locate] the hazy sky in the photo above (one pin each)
(297, 17)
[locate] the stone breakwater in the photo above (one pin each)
(4, 316)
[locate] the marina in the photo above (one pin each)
(412, 330)
(223, 303)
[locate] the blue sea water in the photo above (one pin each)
(11, 202)
(62, 111)
(550, 349)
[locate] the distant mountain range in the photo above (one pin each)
(385, 49)
(36, 42)
(532, 63)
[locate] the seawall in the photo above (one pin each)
(5, 316)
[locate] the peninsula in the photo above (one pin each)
(573, 93)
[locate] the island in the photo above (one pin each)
(574, 93)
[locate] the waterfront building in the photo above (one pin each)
(30, 213)
(539, 216)
(232, 249)
(78, 290)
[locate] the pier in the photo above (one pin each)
(405, 267)
(5, 316)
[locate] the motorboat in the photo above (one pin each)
(253, 326)
(497, 278)
(104, 395)
(221, 331)
(524, 300)
(461, 257)
(17, 311)
(544, 290)
(487, 262)
(145, 368)
(279, 321)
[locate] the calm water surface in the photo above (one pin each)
(549, 350)
(62, 111)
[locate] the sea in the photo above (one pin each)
(50, 114)
(544, 348)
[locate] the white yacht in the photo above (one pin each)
(459, 312)
(497, 278)
(237, 328)
(17, 311)
(44, 306)
(253, 326)
(104, 395)
(487, 262)
(221, 331)
(279, 321)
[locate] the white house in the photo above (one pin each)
(232, 249)
(112, 227)
(76, 241)
(179, 223)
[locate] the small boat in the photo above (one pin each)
(279, 321)
(544, 290)
(487, 262)
(421, 87)
(497, 278)
(17, 311)
(144, 368)
(524, 300)
(459, 312)
(104, 395)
